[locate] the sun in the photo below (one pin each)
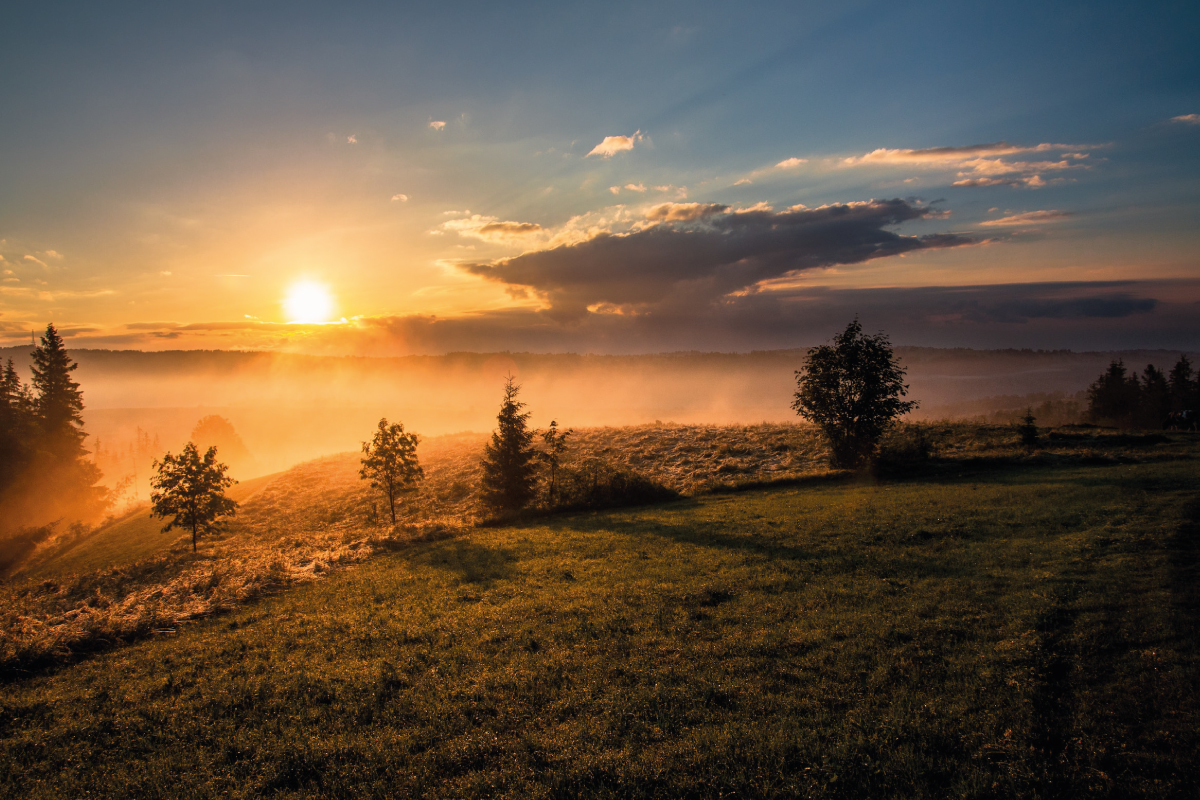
(308, 302)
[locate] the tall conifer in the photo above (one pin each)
(509, 466)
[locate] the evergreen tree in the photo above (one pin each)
(17, 426)
(1154, 399)
(1113, 398)
(1185, 391)
(59, 402)
(509, 460)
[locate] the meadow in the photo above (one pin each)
(989, 622)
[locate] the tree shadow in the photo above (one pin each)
(471, 562)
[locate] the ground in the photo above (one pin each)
(992, 629)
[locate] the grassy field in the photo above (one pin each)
(985, 630)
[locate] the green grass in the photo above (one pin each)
(1016, 632)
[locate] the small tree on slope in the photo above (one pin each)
(191, 489)
(391, 462)
(851, 390)
(509, 460)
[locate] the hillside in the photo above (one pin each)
(993, 628)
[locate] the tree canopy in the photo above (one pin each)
(191, 490)
(391, 462)
(852, 390)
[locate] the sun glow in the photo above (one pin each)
(308, 302)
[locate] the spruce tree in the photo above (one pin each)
(17, 428)
(509, 460)
(58, 402)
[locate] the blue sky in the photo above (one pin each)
(170, 175)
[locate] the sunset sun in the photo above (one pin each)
(308, 302)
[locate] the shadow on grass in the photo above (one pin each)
(470, 561)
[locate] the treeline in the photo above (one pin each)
(45, 475)
(1152, 400)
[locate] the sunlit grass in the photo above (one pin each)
(1022, 630)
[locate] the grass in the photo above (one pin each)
(1018, 630)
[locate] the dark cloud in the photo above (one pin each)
(692, 254)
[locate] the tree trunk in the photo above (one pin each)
(193, 537)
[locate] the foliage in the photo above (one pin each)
(216, 431)
(556, 444)
(391, 462)
(191, 490)
(1028, 430)
(509, 480)
(597, 483)
(1127, 401)
(45, 474)
(852, 391)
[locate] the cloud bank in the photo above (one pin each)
(689, 255)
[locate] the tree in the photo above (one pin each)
(1113, 398)
(216, 431)
(59, 402)
(851, 390)
(1028, 429)
(191, 489)
(1154, 399)
(509, 466)
(1185, 392)
(17, 426)
(556, 444)
(391, 463)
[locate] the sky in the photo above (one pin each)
(386, 179)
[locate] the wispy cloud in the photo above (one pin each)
(1187, 119)
(351, 139)
(57, 256)
(399, 198)
(982, 164)
(790, 163)
(1028, 218)
(491, 229)
(438, 125)
(743, 182)
(615, 144)
(37, 260)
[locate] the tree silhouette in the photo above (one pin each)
(851, 390)
(191, 490)
(509, 466)
(58, 402)
(556, 444)
(391, 462)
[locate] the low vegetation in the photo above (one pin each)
(1009, 624)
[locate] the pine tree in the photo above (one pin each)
(509, 460)
(17, 426)
(1185, 392)
(58, 402)
(1113, 398)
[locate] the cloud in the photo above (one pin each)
(1028, 218)
(37, 261)
(351, 139)
(438, 125)
(402, 198)
(982, 164)
(789, 163)
(491, 229)
(694, 254)
(1187, 119)
(636, 187)
(57, 256)
(165, 272)
(743, 182)
(615, 189)
(615, 144)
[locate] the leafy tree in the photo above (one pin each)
(216, 431)
(191, 489)
(509, 466)
(556, 444)
(851, 390)
(59, 401)
(391, 462)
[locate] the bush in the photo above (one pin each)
(596, 483)
(904, 446)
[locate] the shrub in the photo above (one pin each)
(597, 483)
